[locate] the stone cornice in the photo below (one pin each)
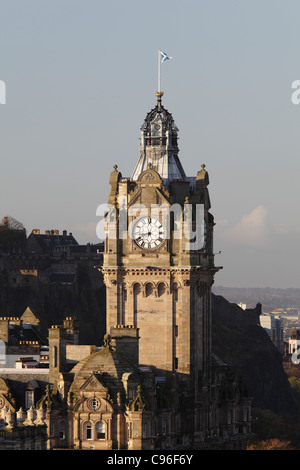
(132, 270)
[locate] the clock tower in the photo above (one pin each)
(158, 262)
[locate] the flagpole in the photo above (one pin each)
(158, 70)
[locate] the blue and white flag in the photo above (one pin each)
(164, 56)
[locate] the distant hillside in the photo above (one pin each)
(269, 297)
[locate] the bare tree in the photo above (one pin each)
(9, 223)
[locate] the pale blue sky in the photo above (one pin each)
(80, 78)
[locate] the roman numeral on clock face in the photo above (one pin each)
(148, 233)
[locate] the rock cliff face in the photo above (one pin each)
(83, 298)
(239, 340)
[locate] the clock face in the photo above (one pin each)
(148, 233)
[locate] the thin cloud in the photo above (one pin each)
(251, 229)
(220, 224)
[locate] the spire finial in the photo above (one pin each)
(159, 95)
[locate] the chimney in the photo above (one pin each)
(125, 339)
(4, 330)
(72, 330)
(57, 351)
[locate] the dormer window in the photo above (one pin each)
(131, 393)
(29, 398)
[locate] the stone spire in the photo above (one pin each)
(159, 145)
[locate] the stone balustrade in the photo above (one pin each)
(21, 418)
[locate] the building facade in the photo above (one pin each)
(273, 326)
(158, 268)
(154, 384)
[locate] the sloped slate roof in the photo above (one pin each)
(166, 163)
(24, 333)
(48, 242)
(27, 379)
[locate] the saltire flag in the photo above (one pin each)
(164, 56)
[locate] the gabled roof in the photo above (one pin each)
(29, 317)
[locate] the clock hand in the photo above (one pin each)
(143, 235)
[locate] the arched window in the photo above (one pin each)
(161, 289)
(87, 430)
(137, 288)
(100, 430)
(149, 289)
